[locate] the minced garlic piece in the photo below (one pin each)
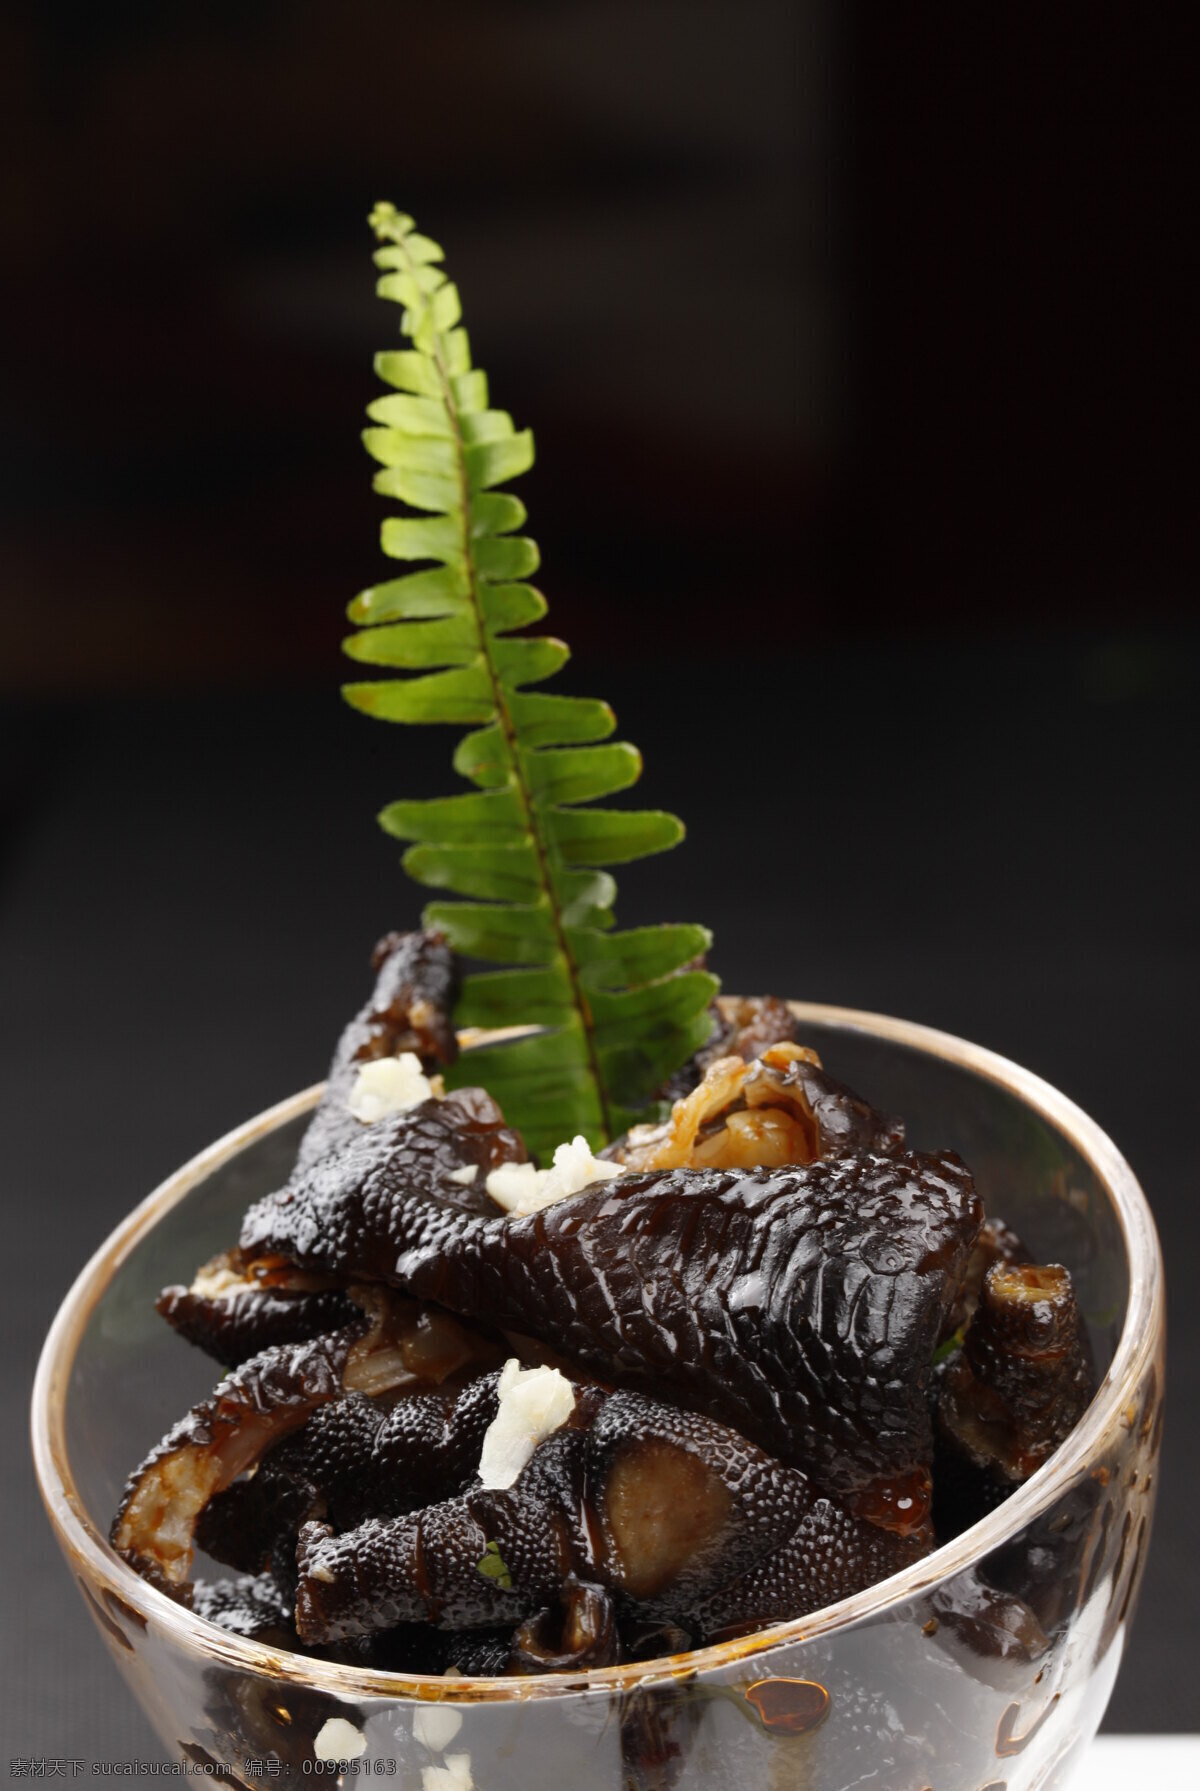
(455, 1775)
(465, 1176)
(217, 1278)
(388, 1085)
(534, 1402)
(514, 1186)
(339, 1740)
(436, 1725)
(520, 1188)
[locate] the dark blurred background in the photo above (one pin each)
(861, 350)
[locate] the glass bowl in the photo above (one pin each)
(984, 1667)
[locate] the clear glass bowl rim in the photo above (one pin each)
(84, 1543)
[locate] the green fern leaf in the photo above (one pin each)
(607, 1014)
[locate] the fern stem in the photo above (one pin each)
(541, 845)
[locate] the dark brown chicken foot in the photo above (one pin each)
(997, 1242)
(234, 1308)
(411, 1008)
(802, 1306)
(1021, 1382)
(392, 1345)
(252, 1605)
(666, 1516)
(253, 1407)
(355, 1458)
(445, 1148)
(990, 1629)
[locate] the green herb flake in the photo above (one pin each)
(493, 1567)
(953, 1342)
